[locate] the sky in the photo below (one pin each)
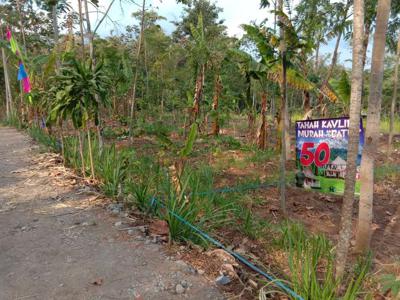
(235, 13)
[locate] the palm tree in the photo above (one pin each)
(363, 236)
(79, 92)
(354, 137)
(394, 98)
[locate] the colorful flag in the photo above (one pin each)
(22, 75)
(13, 43)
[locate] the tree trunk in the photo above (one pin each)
(307, 102)
(262, 134)
(367, 32)
(55, 29)
(217, 92)
(90, 154)
(317, 56)
(7, 85)
(284, 115)
(251, 120)
(93, 65)
(198, 92)
(334, 59)
(354, 138)
(81, 28)
(60, 124)
(83, 169)
(372, 129)
(138, 50)
(394, 99)
(89, 32)
(21, 25)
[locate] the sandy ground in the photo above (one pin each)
(55, 243)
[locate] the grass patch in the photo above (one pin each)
(385, 125)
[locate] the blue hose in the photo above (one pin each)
(240, 258)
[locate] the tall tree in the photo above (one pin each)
(394, 98)
(137, 59)
(6, 78)
(372, 129)
(82, 33)
(339, 24)
(354, 138)
(285, 122)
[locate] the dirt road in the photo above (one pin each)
(55, 244)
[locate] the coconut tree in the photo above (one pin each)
(372, 128)
(354, 137)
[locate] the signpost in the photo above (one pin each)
(321, 154)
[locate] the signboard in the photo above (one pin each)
(321, 154)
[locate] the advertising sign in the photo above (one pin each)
(321, 154)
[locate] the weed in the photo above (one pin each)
(311, 263)
(140, 195)
(390, 283)
(230, 142)
(250, 226)
(385, 125)
(43, 138)
(261, 156)
(111, 167)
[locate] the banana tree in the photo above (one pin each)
(200, 52)
(79, 92)
(267, 44)
(248, 67)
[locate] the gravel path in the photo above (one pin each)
(55, 244)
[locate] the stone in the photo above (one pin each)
(223, 280)
(179, 289)
(117, 224)
(115, 208)
(181, 263)
(185, 284)
(228, 269)
(253, 283)
(200, 272)
(223, 255)
(159, 227)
